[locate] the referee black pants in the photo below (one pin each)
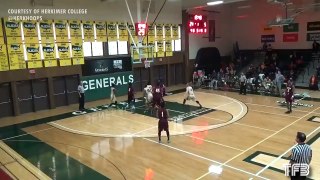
(243, 89)
(81, 102)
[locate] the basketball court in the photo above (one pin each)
(231, 136)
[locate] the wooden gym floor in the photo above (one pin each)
(243, 136)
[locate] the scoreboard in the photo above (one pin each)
(198, 24)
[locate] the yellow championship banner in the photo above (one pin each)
(1, 40)
(48, 52)
(46, 31)
(169, 48)
(160, 52)
(101, 31)
(50, 63)
(175, 32)
(30, 31)
(77, 54)
(88, 31)
(33, 52)
(65, 62)
(136, 41)
(123, 32)
(13, 32)
(167, 31)
(132, 30)
(35, 64)
(75, 31)
(159, 30)
(61, 30)
(16, 56)
(4, 65)
(151, 35)
(1, 35)
(112, 31)
(63, 51)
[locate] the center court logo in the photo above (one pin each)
(292, 169)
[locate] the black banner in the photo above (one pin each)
(268, 38)
(212, 31)
(95, 66)
(313, 26)
(313, 37)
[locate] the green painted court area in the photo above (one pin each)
(53, 162)
(178, 112)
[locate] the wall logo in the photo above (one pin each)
(48, 49)
(117, 64)
(45, 26)
(12, 25)
(292, 169)
(101, 69)
(184, 116)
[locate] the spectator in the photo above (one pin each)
(313, 83)
(315, 46)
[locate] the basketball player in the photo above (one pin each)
(163, 125)
(131, 99)
(148, 97)
(289, 95)
(113, 97)
(190, 95)
(157, 96)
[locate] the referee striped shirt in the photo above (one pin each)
(301, 154)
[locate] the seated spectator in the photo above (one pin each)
(315, 46)
(265, 46)
(299, 61)
(313, 83)
(195, 77)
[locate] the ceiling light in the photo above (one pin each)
(213, 3)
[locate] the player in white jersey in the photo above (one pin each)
(113, 97)
(190, 95)
(148, 97)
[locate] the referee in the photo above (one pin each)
(243, 81)
(81, 96)
(301, 154)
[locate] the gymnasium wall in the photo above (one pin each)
(248, 25)
(223, 33)
(20, 89)
(114, 10)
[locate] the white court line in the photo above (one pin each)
(275, 107)
(270, 136)
(264, 112)
(279, 157)
(242, 124)
(215, 143)
(201, 157)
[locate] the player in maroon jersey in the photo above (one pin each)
(289, 95)
(131, 99)
(163, 124)
(157, 95)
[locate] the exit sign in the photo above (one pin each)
(197, 24)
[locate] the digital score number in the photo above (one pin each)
(197, 24)
(141, 29)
